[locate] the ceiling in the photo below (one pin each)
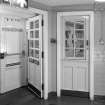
(64, 2)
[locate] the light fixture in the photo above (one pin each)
(99, 0)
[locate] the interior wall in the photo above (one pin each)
(69, 8)
(52, 21)
(99, 61)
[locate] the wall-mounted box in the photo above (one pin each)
(2, 55)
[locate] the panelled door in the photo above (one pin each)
(75, 52)
(35, 54)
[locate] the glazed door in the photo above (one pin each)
(75, 53)
(35, 55)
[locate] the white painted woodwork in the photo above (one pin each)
(13, 78)
(34, 76)
(35, 70)
(67, 78)
(75, 75)
(80, 78)
(84, 67)
(15, 11)
(12, 43)
(64, 2)
(79, 65)
(9, 11)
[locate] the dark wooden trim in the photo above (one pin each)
(34, 90)
(50, 94)
(75, 93)
(99, 97)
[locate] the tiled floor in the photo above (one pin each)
(24, 97)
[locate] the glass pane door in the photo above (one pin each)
(75, 37)
(35, 55)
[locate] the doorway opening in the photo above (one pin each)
(35, 55)
(75, 52)
(22, 55)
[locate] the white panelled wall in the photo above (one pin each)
(12, 43)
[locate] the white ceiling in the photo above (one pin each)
(64, 2)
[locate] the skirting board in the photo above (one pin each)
(75, 93)
(50, 94)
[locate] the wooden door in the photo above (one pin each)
(35, 55)
(75, 53)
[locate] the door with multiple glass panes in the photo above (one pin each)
(75, 30)
(75, 53)
(35, 54)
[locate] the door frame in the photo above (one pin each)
(45, 47)
(27, 13)
(91, 57)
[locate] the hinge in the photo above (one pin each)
(42, 22)
(42, 54)
(87, 42)
(42, 86)
(27, 80)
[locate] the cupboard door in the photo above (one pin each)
(80, 79)
(67, 78)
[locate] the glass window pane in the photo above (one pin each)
(79, 53)
(31, 43)
(37, 24)
(69, 43)
(79, 26)
(69, 24)
(31, 34)
(36, 43)
(79, 44)
(37, 34)
(69, 34)
(69, 52)
(31, 52)
(69, 27)
(31, 25)
(79, 34)
(36, 54)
